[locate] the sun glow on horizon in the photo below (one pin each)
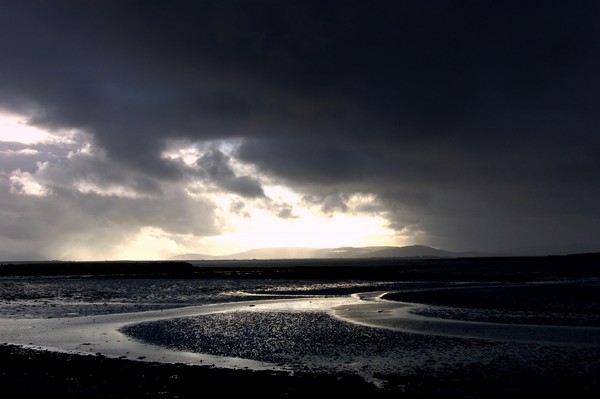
(263, 230)
(257, 226)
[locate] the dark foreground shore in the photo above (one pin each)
(32, 373)
(27, 372)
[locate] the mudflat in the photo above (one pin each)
(451, 328)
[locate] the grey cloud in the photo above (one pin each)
(303, 160)
(453, 197)
(48, 224)
(212, 69)
(446, 111)
(282, 210)
(27, 157)
(286, 213)
(97, 170)
(215, 166)
(329, 203)
(239, 208)
(10, 161)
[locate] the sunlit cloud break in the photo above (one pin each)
(237, 218)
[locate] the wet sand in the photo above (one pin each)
(319, 339)
(32, 373)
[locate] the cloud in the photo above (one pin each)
(214, 165)
(239, 208)
(328, 203)
(75, 203)
(473, 125)
(286, 213)
(61, 224)
(24, 183)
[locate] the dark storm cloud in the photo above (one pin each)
(474, 121)
(308, 160)
(214, 165)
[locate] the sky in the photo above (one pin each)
(149, 129)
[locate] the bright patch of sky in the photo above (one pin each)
(308, 229)
(87, 187)
(258, 225)
(16, 129)
(180, 152)
(152, 243)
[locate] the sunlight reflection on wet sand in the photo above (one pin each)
(100, 334)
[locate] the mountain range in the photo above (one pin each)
(410, 251)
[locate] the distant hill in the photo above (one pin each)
(192, 256)
(411, 251)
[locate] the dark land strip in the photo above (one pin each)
(508, 269)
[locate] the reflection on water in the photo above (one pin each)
(31, 297)
(297, 325)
